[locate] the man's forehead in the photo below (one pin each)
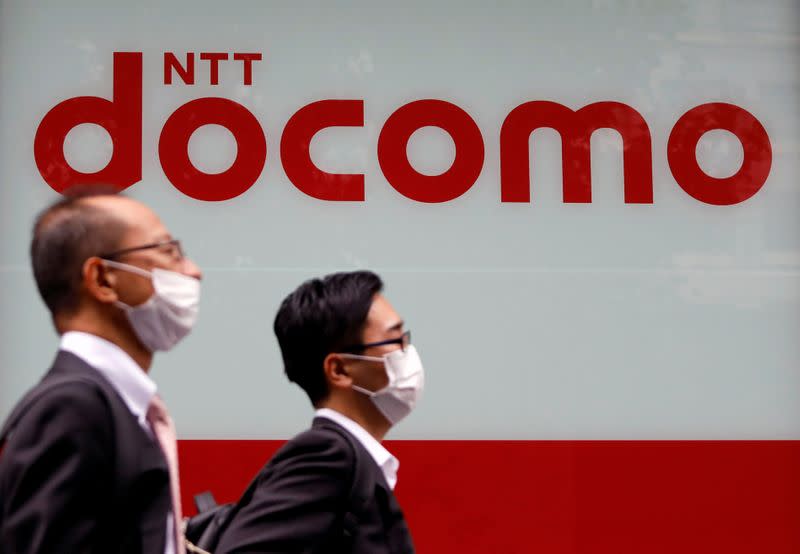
(118, 205)
(382, 315)
(139, 218)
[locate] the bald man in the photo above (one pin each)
(89, 460)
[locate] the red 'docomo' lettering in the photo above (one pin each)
(120, 117)
(250, 143)
(575, 128)
(296, 156)
(682, 154)
(393, 158)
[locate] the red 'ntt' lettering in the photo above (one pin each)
(174, 153)
(247, 60)
(213, 59)
(296, 159)
(393, 159)
(682, 154)
(185, 73)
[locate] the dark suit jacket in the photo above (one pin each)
(321, 493)
(79, 474)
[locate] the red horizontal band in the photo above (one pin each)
(566, 497)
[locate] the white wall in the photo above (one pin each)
(535, 321)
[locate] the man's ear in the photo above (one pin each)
(336, 373)
(98, 281)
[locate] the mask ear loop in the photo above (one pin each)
(131, 269)
(377, 359)
(128, 267)
(362, 390)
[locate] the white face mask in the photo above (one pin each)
(167, 316)
(406, 382)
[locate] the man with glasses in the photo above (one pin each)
(88, 460)
(329, 489)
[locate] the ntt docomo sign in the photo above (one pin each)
(122, 118)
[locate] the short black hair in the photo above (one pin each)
(320, 317)
(65, 235)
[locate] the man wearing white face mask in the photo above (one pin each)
(330, 488)
(88, 461)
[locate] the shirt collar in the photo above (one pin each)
(129, 380)
(385, 460)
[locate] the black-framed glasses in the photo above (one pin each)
(170, 247)
(403, 340)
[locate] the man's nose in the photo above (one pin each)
(190, 268)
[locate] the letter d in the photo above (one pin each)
(122, 118)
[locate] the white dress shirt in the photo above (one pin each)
(385, 460)
(133, 385)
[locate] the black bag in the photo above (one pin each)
(202, 532)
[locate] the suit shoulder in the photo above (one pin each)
(324, 435)
(318, 443)
(70, 405)
(318, 453)
(65, 433)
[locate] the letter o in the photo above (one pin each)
(682, 157)
(393, 158)
(173, 149)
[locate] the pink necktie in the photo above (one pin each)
(164, 429)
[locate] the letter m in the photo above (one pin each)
(575, 128)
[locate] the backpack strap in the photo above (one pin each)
(359, 478)
(359, 495)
